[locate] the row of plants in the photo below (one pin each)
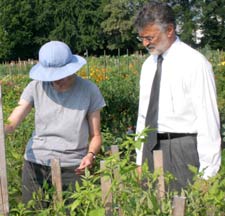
(118, 79)
(132, 195)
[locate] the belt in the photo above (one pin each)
(164, 136)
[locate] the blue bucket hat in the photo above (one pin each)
(56, 62)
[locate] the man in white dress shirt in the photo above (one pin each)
(188, 128)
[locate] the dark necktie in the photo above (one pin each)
(152, 114)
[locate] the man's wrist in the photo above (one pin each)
(92, 153)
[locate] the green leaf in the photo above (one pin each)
(97, 212)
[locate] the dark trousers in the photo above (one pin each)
(34, 175)
(178, 153)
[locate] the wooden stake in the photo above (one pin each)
(106, 193)
(4, 203)
(115, 150)
(178, 206)
(158, 165)
(56, 180)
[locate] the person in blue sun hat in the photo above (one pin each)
(67, 119)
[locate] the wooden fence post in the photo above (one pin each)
(158, 165)
(4, 202)
(178, 206)
(115, 150)
(106, 193)
(56, 180)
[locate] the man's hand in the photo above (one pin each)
(139, 170)
(86, 162)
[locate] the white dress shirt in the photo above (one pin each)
(187, 101)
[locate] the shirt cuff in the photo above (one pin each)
(209, 171)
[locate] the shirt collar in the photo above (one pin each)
(165, 54)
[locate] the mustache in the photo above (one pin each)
(149, 48)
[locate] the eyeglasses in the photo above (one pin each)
(148, 38)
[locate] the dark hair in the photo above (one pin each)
(155, 12)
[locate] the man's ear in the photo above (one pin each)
(170, 30)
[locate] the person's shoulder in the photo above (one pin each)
(34, 83)
(83, 81)
(37, 86)
(193, 57)
(190, 50)
(86, 83)
(189, 53)
(32, 88)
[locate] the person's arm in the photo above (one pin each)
(207, 122)
(95, 141)
(17, 116)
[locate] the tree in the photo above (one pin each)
(78, 24)
(88, 22)
(118, 27)
(213, 23)
(187, 16)
(16, 29)
(206, 17)
(27, 24)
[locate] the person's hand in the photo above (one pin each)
(8, 128)
(139, 170)
(86, 162)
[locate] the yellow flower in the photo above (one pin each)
(222, 63)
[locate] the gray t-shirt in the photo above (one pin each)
(61, 126)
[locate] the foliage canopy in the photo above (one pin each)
(96, 25)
